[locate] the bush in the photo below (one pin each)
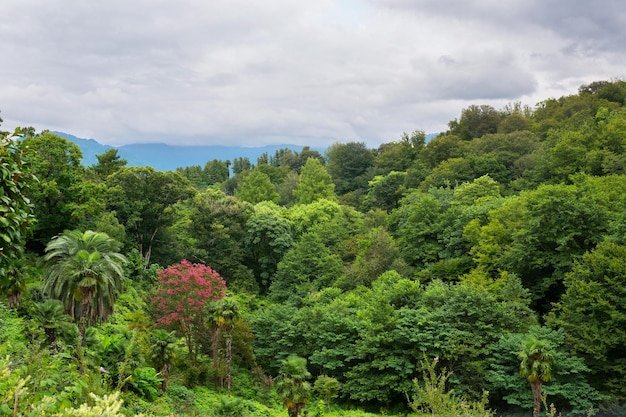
(433, 398)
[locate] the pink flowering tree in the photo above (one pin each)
(180, 299)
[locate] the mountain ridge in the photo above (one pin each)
(164, 157)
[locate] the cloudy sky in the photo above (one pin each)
(256, 72)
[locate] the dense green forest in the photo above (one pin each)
(480, 273)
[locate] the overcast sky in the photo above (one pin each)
(256, 72)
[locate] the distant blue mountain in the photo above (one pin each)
(169, 157)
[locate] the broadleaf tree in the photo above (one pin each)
(181, 298)
(16, 216)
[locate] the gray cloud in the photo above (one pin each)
(255, 72)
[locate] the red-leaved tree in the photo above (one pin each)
(181, 297)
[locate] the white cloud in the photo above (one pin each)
(254, 72)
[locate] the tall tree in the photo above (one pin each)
(537, 359)
(399, 155)
(255, 187)
(241, 164)
(348, 164)
(215, 171)
(314, 183)
(85, 271)
(476, 121)
(56, 163)
(592, 311)
(141, 199)
(267, 239)
(182, 295)
(305, 269)
(524, 236)
(218, 226)
(386, 191)
(16, 217)
(224, 313)
(108, 162)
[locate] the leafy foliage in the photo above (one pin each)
(16, 216)
(433, 396)
(512, 217)
(255, 187)
(593, 314)
(291, 385)
(182, 295)
(56, 163)
(569, 388)
(85, 272)
(314, 183)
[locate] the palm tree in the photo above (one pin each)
(163, 353)
(85, 271)
(49, 315)
(291, 385)
(537, 358)
(224, 314)
(13, 285)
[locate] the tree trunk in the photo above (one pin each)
(165, 374)
(229, 344)
(536, 387)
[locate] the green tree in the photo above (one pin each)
(256, 187)
(16, 217)
(525, 237)
(327, 387)
(348, 165)
(85, 271)
(108, 162)
(217, 225)
(224, 314)
(142, 199)
(308, 267)
(332, 332)
(377, 253)
(569, 390)
(50, 316)
(314, 183)
(291, 385)
(386, 191)
(592, 311)
(286, 188)
(278, 331)
(162, 354)
(276, 174)
(398, 321)
(476, 121)
(56, 163)
(267, 239)
(399, 156)
(215, 171)
(416, 225)
(537, 359)
(241, 164)
(513, 150)
(441, 148)
(194, 174)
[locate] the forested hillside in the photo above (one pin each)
(482, 273)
